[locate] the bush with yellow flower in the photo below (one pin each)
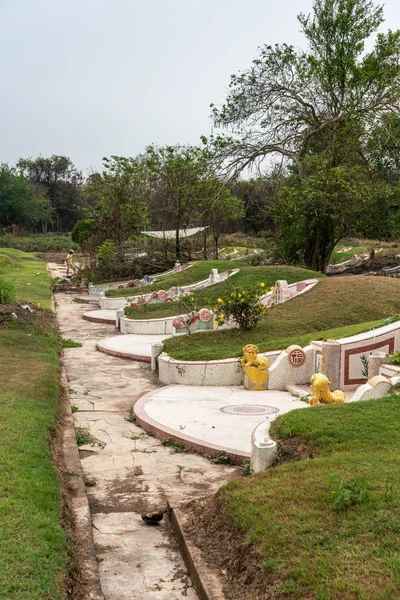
(242, 306)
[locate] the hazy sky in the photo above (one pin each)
(91, 78)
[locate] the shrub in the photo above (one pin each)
(243, 306)
(395, 358)
(82, 231)
(7, 292)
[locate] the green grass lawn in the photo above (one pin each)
(34, 550)
(33, 557)
(247, 277)
(339, 256)
(334, 308)
(198, 272)
(28, 275)
(307, 548)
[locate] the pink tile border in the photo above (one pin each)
(87, 317)
(146, 359)
(163, 432)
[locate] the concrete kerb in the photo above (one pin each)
(79, 501)
(205, 580)
(137, 357)
(165, 433)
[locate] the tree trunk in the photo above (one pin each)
(205, 244)
(216, 247)
(321, 243)
(177, 244)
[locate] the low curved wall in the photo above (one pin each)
(147, 326)
(203, 372)
(112, 303)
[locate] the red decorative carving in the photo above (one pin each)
(297, 357)
(347, 381)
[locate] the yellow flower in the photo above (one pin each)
(239, 295)
(220, 301)
(272, 288)
(262, 284)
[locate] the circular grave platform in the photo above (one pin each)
(135, 347)
(210, 420)
(101, 316)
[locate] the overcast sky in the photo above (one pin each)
(91, 78)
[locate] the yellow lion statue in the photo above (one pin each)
(250, 358)
(321, 392)
(255, 369)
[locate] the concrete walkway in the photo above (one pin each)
(129, 345)
(210, 419)
(127, 471)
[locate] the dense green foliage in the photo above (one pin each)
(58, 179)
(331, 113)
(39, 242)
(20, 203)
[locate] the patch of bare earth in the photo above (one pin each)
(224, 548)
(77, 582)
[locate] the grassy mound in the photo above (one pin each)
(334, 308)
(324, 528)
(247, 276)
(28, 275)
(198, 272)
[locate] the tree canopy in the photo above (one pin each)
(325, 100)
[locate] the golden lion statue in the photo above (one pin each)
(321, 392)
(250, 358)
(255, 368)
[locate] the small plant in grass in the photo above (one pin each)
(7, 292)
(243, 306)
(348, 493)
(68, 343)
(395, 358)
(247, 470)
(174, 447)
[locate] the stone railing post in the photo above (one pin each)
(331, 362)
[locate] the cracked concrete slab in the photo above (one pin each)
(130, 472)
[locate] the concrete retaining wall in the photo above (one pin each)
(203, 372)
(147, 326)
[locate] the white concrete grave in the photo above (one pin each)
(294, 366)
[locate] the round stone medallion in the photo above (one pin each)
(296, 356)
(205, 315)
(249, 409)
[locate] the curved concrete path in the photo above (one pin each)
(130, 345)
(108, 317)
(212, 419)
(128, 471)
